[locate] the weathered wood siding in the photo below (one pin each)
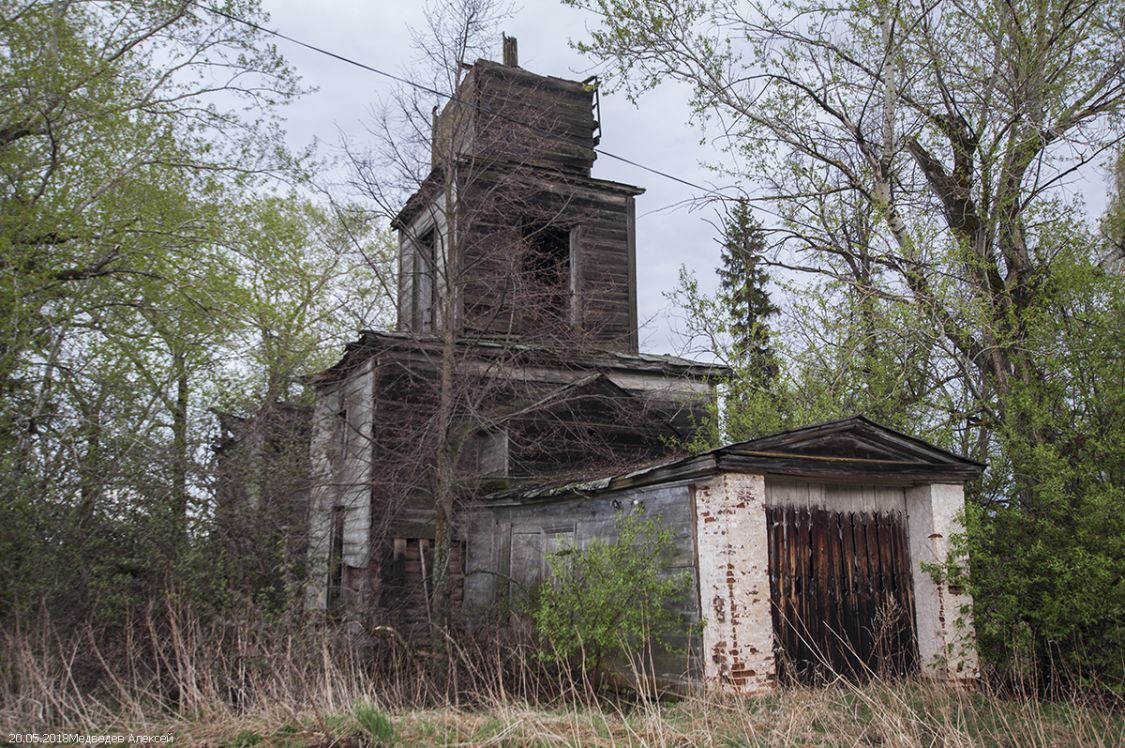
(406, 570)
(527, 118)
(586, 430)
(373, 453)
(858, 497)
(507, 548)
(422, 273)
(340, 457)
(512, 154)
(495, 208)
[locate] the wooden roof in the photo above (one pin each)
(537, 176)
(853, 449)
(429, 346)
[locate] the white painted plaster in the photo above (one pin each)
(734, 588)
(946, 641)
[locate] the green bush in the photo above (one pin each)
(1049, 588)
(610, 597)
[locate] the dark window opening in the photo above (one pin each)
(485, 454)
(425, 260)
(407, 578)
(342, 425)
(547, 267)
(336, 560)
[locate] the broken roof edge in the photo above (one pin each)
(372, 341)
(736, 457)
(515, 70)
(483, 65)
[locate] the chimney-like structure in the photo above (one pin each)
(511, 52)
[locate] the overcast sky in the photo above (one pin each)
(656, 134)
(376, 32)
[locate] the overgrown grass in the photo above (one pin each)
(246, 686)
(904, 714)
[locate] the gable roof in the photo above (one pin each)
(851, 449)
(852, 439)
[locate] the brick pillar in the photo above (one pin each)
(734, 585)
(943, 614)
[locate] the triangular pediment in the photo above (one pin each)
(596, 396)
(592, 386)
(851, 440)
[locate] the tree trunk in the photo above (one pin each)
(180, 458)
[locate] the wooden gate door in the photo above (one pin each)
(841, 591)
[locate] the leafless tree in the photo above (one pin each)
(481, 170)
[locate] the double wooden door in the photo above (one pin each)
(841, 590)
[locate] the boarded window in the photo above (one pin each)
(341, 443)
(425, 272)
(342, 432)
(485, 454)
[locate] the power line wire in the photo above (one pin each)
(451, 97)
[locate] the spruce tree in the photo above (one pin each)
(742, 282)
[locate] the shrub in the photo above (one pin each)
(610, 597)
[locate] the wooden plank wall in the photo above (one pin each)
(341, 474)
(495, 207)
(507, 546)
(407, 569)
(373, 453)
(534, 119)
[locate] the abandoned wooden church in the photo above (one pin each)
(512, 399)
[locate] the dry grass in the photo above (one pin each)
(246, 685)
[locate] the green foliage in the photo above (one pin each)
(375, 723)
(1113, 222)
(946, 284)
(833, 363)
(748, 406)
(151, 270)
(1048, 554)
(610, 597)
